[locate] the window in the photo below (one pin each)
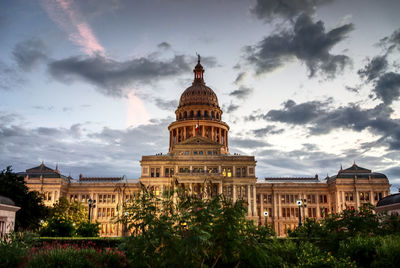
(283, 200)
(184, 170)
(157, 172)
(200, 152)
(169, 172)
(152, 172)
(112, 212)
(145, 170)
(212, 169)
(109, 199)
(269, 198)
(251, 170)
(209, 152)
(100, 198)
(187, 153)
(195, 152)
(98, 212)
(227, 172)
(113, 198)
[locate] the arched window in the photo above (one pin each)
(198, 114)
(205, 113)
(185, 115)
(212, 114)
(191, 114)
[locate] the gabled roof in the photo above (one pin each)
(198, 140)
(42, 168)
(355, 169)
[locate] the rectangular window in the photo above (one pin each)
(283, 199)
(209, 152)
(98, 212)
(184, 170)
(251, 171)
(200, 152)
(113, 198)
(269, 198)
(112, 212)
(152, 172)
(284, 212)
(157, 172)
(194, 152)
(109, 199)
(108, 212)
(187, 153)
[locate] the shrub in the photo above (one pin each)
(56, 255)
(88, 229)
(362, 250)
(388, 253)
(14, 248)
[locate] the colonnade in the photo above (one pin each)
(217, 134)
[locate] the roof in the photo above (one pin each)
(43, 171)
(389, 200)
(356, 171)
(99, 179)
(198, 93)
(291, 179)
(6, 201)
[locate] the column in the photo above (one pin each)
(212, 133)
(357, 199)
(184, 133)
(255, 201)
(220, 188)
(371, 197)
(337, 201)
(248, 200)
(234, 193)
(233, 171)
(343, 199)
(191, 188)
(226, 138)
(318, 209)
(203, 131)
(262, 217)
(194, 131)
(279, 206)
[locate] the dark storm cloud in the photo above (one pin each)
(270, 9)
(242, 92)
(374, 68)
(319, 118)
(29, 53)
(307, 42)
(387, 87)
(112, 76)
(262, 132)
(78, 150)
(166, 104)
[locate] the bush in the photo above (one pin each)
(56, 255)
(58, 226)
(388, 253)
(311, 256)
(14, 248)
(88, 229)
(362, 250)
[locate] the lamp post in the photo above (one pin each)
(92, 204)
(266, 218)
(299, 204)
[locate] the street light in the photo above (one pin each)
(299, 204)
(92, 204)
(266, 217)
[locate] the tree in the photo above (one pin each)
(31, 202)
(68, 219)
(179, 229)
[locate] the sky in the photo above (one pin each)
(306, 86)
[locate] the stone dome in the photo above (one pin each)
(389, 200)
(198, 93)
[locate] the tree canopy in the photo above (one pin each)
(31, 202)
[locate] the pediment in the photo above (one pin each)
(198, 140)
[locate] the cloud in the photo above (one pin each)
(247, 143)
(270, 9)
(231, 108)
(242, 92)
(262, 132)
(320, 118)
(67, 16)
(29, 53)
(392, 41)
(10, 78)
(166, 104)
(111, 77)
(164, 45)
(307, 42)
(108, 152)
(374, 68)
(387, 87)
(240, 77)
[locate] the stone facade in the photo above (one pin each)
(7, 216)
(198, 159)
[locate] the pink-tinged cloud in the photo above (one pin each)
(69, 19)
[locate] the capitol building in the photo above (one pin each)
(198, 160)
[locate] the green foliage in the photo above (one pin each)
(377, 251)
(311, 256)
(74, 257)
(88, 229)
(31, 202)
(192, 232)
(14, 248)
(67, 219)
